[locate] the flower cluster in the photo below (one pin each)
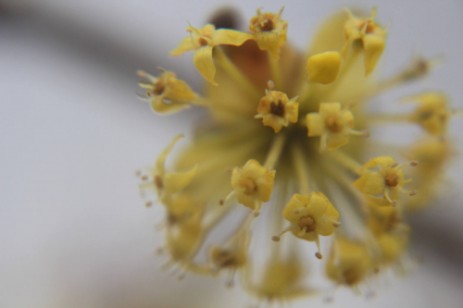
(288, 155)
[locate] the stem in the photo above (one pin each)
(275, 151)
(346, 161)
(301, 170)
(276, 71)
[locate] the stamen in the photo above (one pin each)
(346, 161)
(318, 254)
(277, 238)
(419, 68)
(149, 77)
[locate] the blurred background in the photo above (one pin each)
(73, 229)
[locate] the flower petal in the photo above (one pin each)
(205, 63)
(229, 37)
(374, 46)
(158, 105)
(185, 45)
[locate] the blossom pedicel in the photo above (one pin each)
(287, 151)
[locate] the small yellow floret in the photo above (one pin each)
(231, 256)
(183, 240)
(382, 178)
(282, 279)
(432, 113)
(349, 262)
(332, 124)
(431, 154)
(384, 219)
(202, 41)
(168, 94)
(252, 184)
(370, 36)
(276, 110)
(324, 67)
(269, 31)
(182, 208)
(223, 258)
(168, 183)
(392, 245)
(311, 215)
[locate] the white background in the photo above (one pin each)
(73, 229)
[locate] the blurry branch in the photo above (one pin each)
(116, 55)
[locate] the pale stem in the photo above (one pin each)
(301, 167)
(346, 161)
(276, 70)
(348, 213)
(275, 151)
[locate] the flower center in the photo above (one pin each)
(224, 258)
(158, 88)
(158, 182)
(203, 41)
(391, 180)
(277, 108)
(249, 186)
(307, 223)
(351, 276)
(267, 25)
(369, 26)
(333, 124)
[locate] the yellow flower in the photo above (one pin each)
(371, 36)
(313, 187)
(253, 184)
(332, 124)
(432, 113)
(382, 179)
(282, 279)
(183, 241)
(166, 93)
(276, 110)
(168, 183)
(269, 31)
(203, 41)
(432, 155)
(349, 262)
(311, 216)
(233, 254)
(391, 246)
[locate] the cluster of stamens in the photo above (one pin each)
(293, 155)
